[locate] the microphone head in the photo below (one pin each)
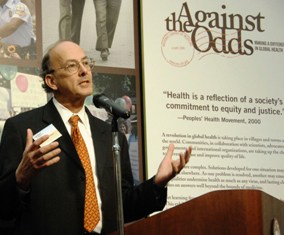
(102, 101)
(98, 99)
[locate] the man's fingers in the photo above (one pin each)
(187, 154)
(32, 145)
(45, 163)
(48, 158)
(170, 150)
(178, 165)
(39, 141)
(29, 138)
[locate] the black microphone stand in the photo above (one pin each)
(117, 175)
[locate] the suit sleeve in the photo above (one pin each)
(139, 200)
(11, 150)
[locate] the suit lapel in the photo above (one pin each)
(101, 142)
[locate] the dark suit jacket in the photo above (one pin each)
(55, 202)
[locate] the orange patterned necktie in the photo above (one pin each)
(91, 214)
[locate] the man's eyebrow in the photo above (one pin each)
(73, 60)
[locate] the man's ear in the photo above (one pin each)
(50, 81)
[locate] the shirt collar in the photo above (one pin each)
(66, 113)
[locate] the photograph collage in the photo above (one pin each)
(112, 47)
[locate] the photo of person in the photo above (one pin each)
(105, 29)
(17, 33)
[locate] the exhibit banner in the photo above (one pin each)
(213, 79)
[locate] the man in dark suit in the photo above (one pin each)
(42, 184)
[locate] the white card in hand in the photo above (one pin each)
(50, 130)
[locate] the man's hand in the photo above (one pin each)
(169, 168)
(35, 158)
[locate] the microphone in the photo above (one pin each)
(101, 101)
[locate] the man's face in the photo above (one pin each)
(72, 77)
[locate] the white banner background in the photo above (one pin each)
(227, 106)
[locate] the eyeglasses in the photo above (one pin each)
(73, 66)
